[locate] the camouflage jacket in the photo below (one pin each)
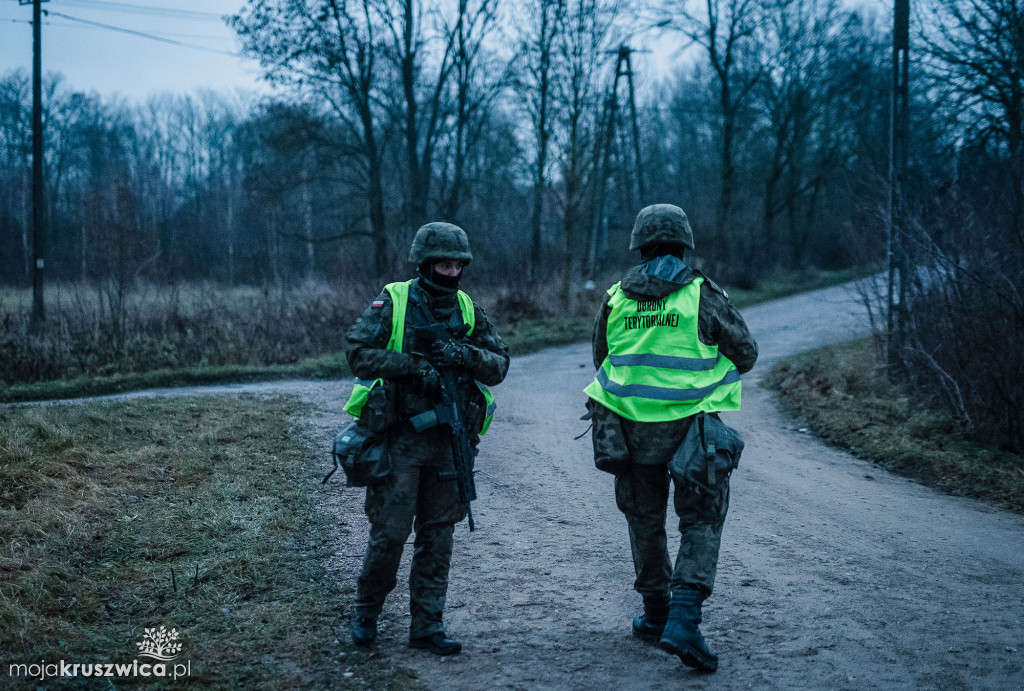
(718, 322)
(369, 357)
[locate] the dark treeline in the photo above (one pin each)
(492, 115)
(773, 135)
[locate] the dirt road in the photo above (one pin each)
(833, 573)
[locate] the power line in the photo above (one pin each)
(141, 34)
(147, 9)
(65, 25)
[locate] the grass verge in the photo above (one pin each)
(201, 514)
(846, 400)
(522, 336)
(330, 366)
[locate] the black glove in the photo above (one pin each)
(429, 379)
(453, 354)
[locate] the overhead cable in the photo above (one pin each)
(146, 9)
(141, 34)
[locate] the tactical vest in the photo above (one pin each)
(657, 369)
(399, 293)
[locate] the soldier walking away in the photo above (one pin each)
(667, 346)
(388, 349)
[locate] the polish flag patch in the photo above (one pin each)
(377, 303)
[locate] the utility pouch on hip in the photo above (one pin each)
(376, 414)
(709, 453)
(364, 457)
(611, 454)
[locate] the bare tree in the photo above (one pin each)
(976, 50)
(794, 95)
(727, 32)
(420, 109)
(330, 48)
(16, 143)
(544, 23)
(583, 50)
(479, 78)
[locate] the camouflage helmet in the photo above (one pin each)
(438, 240)
(661, 224)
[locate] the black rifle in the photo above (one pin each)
(448, 411)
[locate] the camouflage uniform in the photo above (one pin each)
(414, 497)
(642, 479)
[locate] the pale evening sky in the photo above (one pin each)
(109, 59)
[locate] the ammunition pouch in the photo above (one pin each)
(378, 412)
(709, 453)
(365, 457)
(611, 453)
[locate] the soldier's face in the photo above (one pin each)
(449, 267)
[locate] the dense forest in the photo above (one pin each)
(519, 122)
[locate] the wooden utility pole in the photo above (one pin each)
(38, 191)
(899, 126)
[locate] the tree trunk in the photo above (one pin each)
(728, 172)
(375, 198)
(307, 228)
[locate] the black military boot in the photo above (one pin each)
(649, 625)
(437, 643)
(364, 629)
(682, 637)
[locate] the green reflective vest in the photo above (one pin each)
(399, 293)
(657, 369)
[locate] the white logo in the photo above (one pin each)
(159, 644)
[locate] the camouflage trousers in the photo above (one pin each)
(641, 493)
(413, 497)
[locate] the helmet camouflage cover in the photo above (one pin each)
(661, 224)
(438, 240)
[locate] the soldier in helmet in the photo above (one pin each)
(418, 494)
(667, 346)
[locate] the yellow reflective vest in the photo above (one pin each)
(657, 369)
(399, 293)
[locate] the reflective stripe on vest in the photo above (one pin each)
(399, 293)
(657, 369)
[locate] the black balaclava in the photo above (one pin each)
(434, 283)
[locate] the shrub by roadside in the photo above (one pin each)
(847, 400)
(201, 514)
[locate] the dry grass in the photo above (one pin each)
(99, 332)
(201, 514)
(846, 399)
(200, 334)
